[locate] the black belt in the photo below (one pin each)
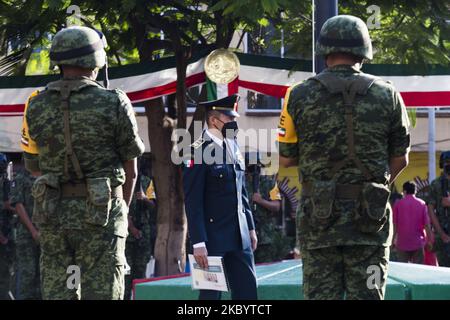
(79, 190)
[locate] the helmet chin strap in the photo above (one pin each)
(105, 74)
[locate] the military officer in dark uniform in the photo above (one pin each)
(219, 217)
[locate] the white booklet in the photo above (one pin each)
(214, 278)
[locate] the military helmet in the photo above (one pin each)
(344, 33)
(3, 162)
(445, 157)
(78, 46)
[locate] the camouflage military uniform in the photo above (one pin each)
(6, 250)
(344, 219)
(79, 206)
(273, 245)
(435, 196)
(27, 251)
(139, 251)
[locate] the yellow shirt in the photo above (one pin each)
(26, 143)
(275, 194)
(150, 192)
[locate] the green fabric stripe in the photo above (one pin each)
(274, 62)
(406, 70)
(211, 90)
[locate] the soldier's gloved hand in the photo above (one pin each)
(290, 194)
(253, 239)
(201, 257)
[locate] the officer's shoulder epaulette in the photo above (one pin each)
(198, 143)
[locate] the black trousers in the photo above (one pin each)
(240, 271)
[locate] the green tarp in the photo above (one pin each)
(283, 281)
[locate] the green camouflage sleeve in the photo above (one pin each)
(128, 142)
(399, 137)
(287, 134)
(17, 193)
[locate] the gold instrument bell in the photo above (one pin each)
(222, 66)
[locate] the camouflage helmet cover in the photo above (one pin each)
(344, 33)
(444, 158)
(78, 46)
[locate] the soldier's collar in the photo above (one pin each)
(343, 67)
(75, 84)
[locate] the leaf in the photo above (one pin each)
(264, 22)
(412, 114)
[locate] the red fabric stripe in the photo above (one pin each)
(233, 87)
(412, 99)
(426, 99)
(12, 108)
(274, 90)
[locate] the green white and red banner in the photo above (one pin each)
(419, 87)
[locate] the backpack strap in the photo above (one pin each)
(65, 88)
(349, 89)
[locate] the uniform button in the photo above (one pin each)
(211, 220)
(221, 176)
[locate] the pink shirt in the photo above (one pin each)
(410, 218)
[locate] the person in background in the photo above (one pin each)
(27, 242)
(139, 244)
(411, 225)
(439, 210)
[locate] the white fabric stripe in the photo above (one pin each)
(421, 84)
(272, 76)
(402, 83)
(128, 84)
(222, 90)
(156, 79)
(16, 96)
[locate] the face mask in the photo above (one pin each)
(230, 129)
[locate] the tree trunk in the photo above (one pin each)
(181, 64)
(170, 252)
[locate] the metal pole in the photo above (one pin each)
(324, 9)
(431, 144)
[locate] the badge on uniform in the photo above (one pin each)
(188, 163)
(197, 144)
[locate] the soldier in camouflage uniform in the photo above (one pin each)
(6, 236)
(139, 242)
(348, 132)
(439, 210)
(266, 205)
(27, 241)
(84, 141)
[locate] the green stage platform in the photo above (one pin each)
(283, 281)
